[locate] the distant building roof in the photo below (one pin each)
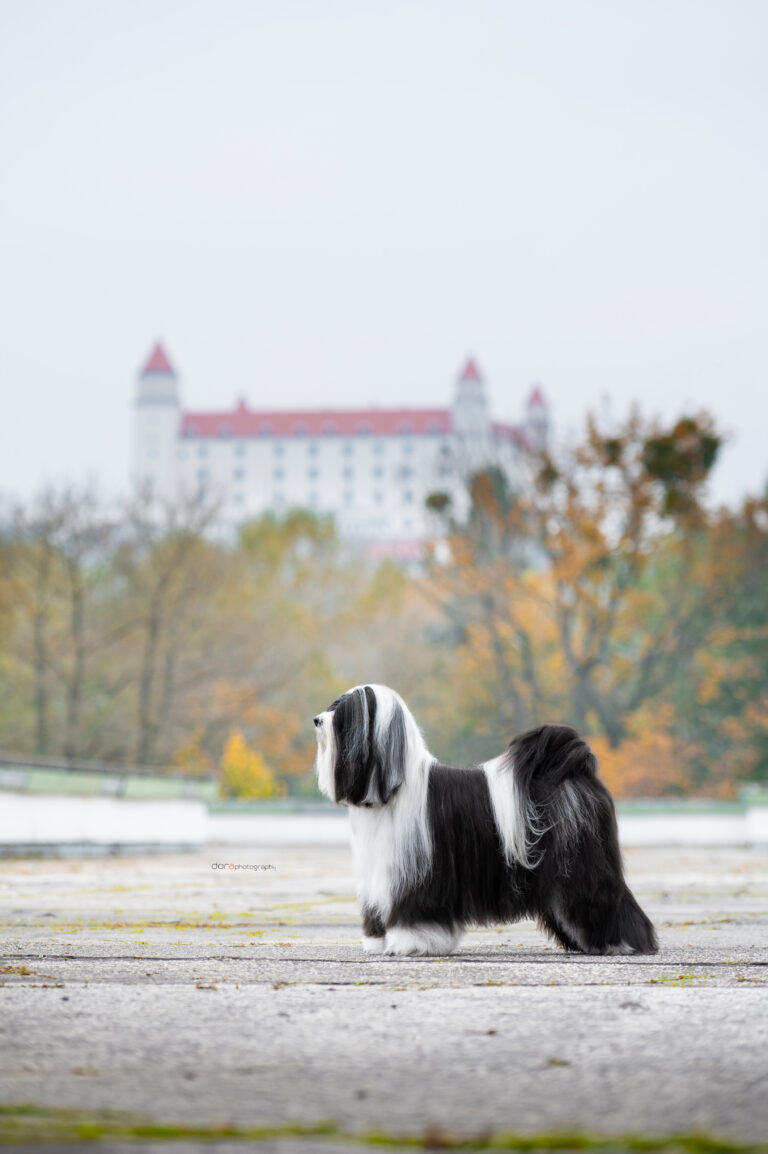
(514, 433)
(536, 398)
(244, 422)
(158, 362)
(470, 372)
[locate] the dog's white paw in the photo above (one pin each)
(373, 945)
(424, 941)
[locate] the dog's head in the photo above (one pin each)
(363, 746)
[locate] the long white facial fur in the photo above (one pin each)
(326, 755)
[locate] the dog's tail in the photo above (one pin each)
(543, 791)
(560, 821)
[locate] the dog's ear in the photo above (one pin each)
(389, 751)
(352, 731)
(370, 757)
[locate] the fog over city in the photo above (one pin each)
(336, 203)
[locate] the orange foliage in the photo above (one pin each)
(284, 736)
(653, 761)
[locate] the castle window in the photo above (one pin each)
(240, 449)
(300, 429)
(312, 498)
(378, 448)
(348, 473)
(405, 427)
(364, 427)
(313, 448)
(349, 497)
(278, 474)
(348, 449)
(378, 497)
(435, 427)
(313, 473)
(239, 474)
(202, 450)
(378, 471)
(329, 428)
(238, 498)
(407, 497)
(408, 447)
(225, 429)
(278, 449)
(265, 429)
(202, 476)
(406, 471)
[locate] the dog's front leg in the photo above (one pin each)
(427, 939)
(373, 931)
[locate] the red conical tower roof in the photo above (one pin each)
(158, 362)
(536, 399)
(470, 372)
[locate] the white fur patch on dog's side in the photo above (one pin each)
(516, 823)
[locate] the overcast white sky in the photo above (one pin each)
(335, 202)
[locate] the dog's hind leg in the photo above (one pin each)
(610, 924)
(555, 929)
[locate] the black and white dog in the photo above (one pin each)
(530, 834)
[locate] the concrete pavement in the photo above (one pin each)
(200, 997)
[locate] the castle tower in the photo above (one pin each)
(471, 421)
(537, 420)
(470, 405)
(156, 425)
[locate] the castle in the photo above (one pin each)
(371, 468)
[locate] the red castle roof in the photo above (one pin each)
(158, 362)
(514, 433)
(244, 422)
(470, 372)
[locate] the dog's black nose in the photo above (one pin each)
(318, 721)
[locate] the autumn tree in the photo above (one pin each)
(54, 557)
(724, 702)
(582, 591)
(171, 575)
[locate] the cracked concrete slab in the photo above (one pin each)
(178, 992)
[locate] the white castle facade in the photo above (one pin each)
(372, 469)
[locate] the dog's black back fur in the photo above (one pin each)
(575, 884)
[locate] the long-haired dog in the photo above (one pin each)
(530, 834)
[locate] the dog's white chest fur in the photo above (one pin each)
(390, 843)
(373, 850)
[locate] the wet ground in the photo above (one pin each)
(158, 999)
